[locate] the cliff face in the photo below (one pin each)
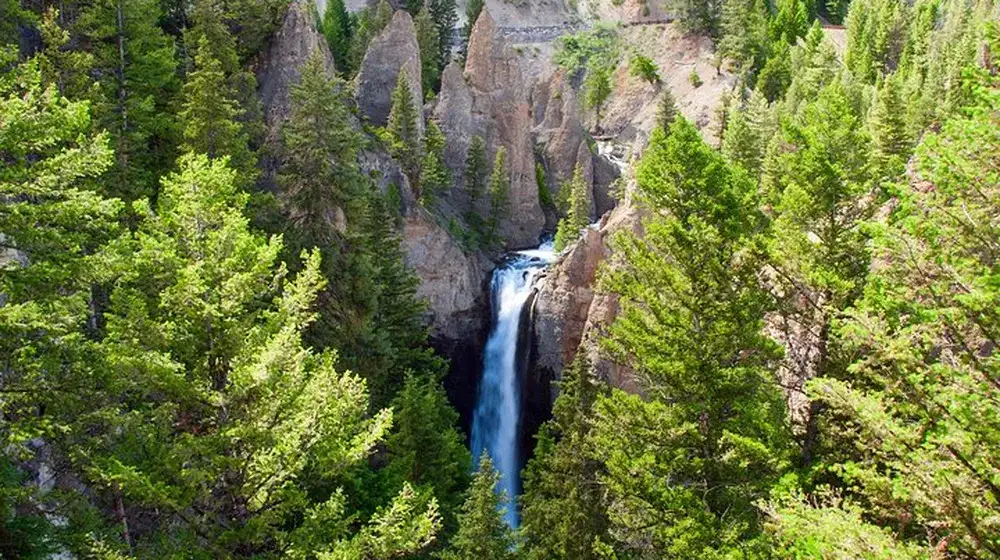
(393, 51)
(570, 315)
(491, 101)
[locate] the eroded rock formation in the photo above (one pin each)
(394, 50)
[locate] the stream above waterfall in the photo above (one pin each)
(497, 417)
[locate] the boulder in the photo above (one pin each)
(394, 50)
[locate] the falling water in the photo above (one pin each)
(498, 404)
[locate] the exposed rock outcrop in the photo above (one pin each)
(500, 113)
(394, 50)
(570, 315)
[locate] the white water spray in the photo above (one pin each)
(495, 424)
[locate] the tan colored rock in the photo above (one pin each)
(453, 282)
(570, 316)
(394, 50)
(491, 101)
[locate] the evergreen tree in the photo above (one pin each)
(404, 134)
(745, 34)
(666, 111)
(325, 204)
(697, 16)
(426, 448)
(561, 509)
(887, 121)
(475, 170)
(499, 197)
(597, 88)
(791, 21)
(685, 467)
(776, 75)
(445, 18)
(429, 41)
(922, 385)
(435, 176)
(482, 531)
(137, 70)
(578, 214)
(337, 30)
(210, 113)
(68, 69)
(748, 133)
(821, 208)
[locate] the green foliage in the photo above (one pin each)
(210, 114)
(338, 32)
(642, 66)
(666, 111)
(445, 16)
(405, 142)
(482, 531)
(561, 509)
(835, 529)
(922, 387)
(697, 16)
(429, 40)
(544, 194)
(138, 92)
(595, 48)
(887, 120)
(475, 171)
(694, 79)
(68, 69)
(435, 176)
(578, 213)
(596, 89)
(748, 133)
(685, 468)
(745, 34)
(499, 197)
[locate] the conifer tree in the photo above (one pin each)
(887, 121)
(429, 41)
(745, 34)
(578, 214)
(68, 69)
(370, 22)
(435, 176)
(402, 127)
(445, 17)
(748, 133)
(698, 16)
(482, 531)
(209, 116)
(666, 110)
(597, 88)
(691, 327)
(776, 75)
(475, 170)
(337, 30)
(137, 67)
(561, 509)
(499, 198)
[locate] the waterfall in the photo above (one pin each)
(495, 423)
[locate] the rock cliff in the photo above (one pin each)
(491, 100)
(394, 50)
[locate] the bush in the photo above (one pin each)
(695, 79)
(642, 66)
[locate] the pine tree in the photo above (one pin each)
(482, 531)
(426, 448)
(137, 66)
(561, 509)
(404, 134)
(325, 204)
(745, 34)
(748, 133)
(475, 171)
(887, 121)
(666, 111)
(370, 22)
(445, 18)
(690, 325)
(578, 214)
(776, 75)
(337, 30)
(499, 197)
(791, 21)
(698, 16)
(430, 49)
(435, 176)
(210, 116)
(597, 88)
(68, 69)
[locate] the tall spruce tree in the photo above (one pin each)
(337, 30)
(561, 509)
(482, 531)
(499, 197)
(685, 467)
(445, 17)
(577, 215)
(137, 68)
(887, 120)
(406, 144)
(429, 41)
(435, 176)
(472, 10)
